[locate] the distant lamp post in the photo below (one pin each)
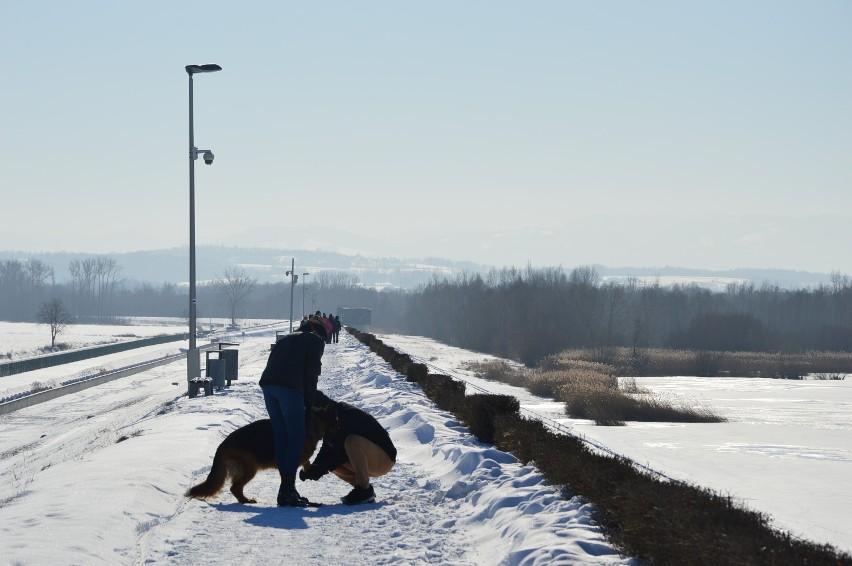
(293, 278)
(193, 359)
(304, 282)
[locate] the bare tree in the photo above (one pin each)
(95, 281)
(83, 276)
(615, 305)
(107, 271)
(236, 285)
(328, 279)
(54, 314)
(840, 281)
(39, 273)
(636, 335)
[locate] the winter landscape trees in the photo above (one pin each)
(53, 314)
(23, 286)
(525, 314)
(94, 286)
(529, 314)
(235, 284)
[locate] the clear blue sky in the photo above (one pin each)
(697, 134)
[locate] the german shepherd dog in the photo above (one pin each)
(252, 448)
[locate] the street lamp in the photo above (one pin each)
(293, 278)
(193, 359)
(304, 282)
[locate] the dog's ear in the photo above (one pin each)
(321, 399)
(324, 414)
(329, 413)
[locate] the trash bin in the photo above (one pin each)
(232, 361)
(216, 370)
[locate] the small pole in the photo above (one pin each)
(292, 286)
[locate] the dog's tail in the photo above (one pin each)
(214, 482)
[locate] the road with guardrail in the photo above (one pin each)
(100, 377)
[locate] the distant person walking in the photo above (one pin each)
(336, 326)
(329, 327)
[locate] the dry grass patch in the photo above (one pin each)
(708, 363)
(614, 407)
(38, 386)
(590, 390)
(498, 370)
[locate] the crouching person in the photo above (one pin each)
(355, 451)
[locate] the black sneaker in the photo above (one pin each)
(359, 495)
(291, 498)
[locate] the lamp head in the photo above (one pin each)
(210, 68)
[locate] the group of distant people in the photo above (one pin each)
(331, 323)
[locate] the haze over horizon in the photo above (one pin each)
(701, 135)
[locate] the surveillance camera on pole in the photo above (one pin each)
(206, 155)
(193, 360)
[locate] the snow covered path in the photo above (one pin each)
(448, 500)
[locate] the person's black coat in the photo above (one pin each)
(295, 361)
(351, 420)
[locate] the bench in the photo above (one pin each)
(197, 383)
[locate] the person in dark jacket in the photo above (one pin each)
(337, 326)
(357, 450)
(289, 383)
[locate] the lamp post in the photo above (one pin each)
(293, 279)
(193, 359)
(304, 282)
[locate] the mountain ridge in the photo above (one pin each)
(269, 265)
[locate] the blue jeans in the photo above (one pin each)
(286, 408)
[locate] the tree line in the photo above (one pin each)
(96, 293)
(528, 314)
(25, 286)
(519, 313)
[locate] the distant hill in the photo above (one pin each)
(269, 265)
(265, 264)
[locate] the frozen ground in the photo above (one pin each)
(21, 339)
(70, 492)
(97, 477)
(786, 449)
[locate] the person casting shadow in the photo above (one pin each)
(289, 383)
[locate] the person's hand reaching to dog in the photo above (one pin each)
(313, 473)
